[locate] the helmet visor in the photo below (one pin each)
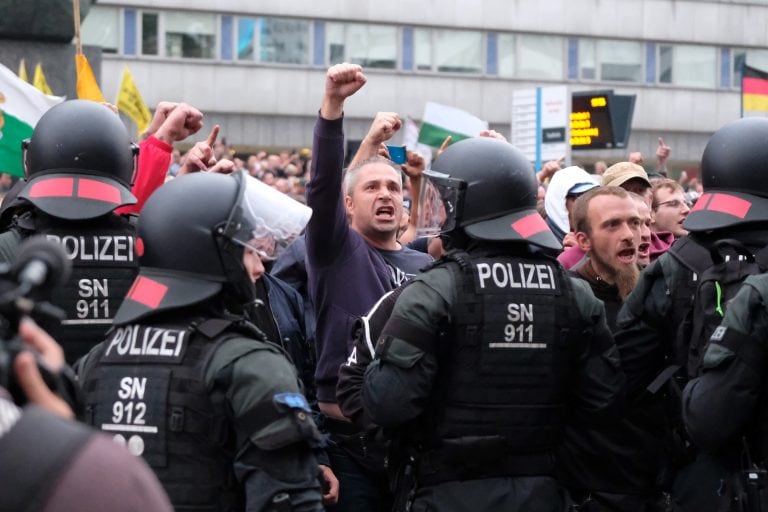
(264, 219)
(439, 204)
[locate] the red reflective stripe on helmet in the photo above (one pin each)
(54, 187)
(730, 205)
(92, 189)
(147, 292)
(701, 204)
(530, 225)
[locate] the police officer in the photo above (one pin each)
(661, 337)
(80, 164)
(725, 409)
(490, 351)
(183, 379)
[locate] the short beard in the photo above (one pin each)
(626, 280)
(625, 277)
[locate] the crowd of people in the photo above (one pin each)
(284, 332)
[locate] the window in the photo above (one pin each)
(755, 58)
(610, 60)
(371, 46)
(149, 33)
(190, 35)
(422, 49)
(246, 28)
(620, 61)
(540, 57)
(284, 41)
(458, 51)
(688, 65)
(101, 27)
(506, 55)
(587, 59)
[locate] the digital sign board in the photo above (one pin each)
(600, 119)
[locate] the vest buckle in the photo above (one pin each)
(177, 419)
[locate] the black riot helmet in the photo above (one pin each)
(734, 173)
(192, 234)
(80, 162)
(486, 189)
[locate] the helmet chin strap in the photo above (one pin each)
(238, 288)
(455, 239)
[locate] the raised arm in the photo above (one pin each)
(383, 127)
(328, 227)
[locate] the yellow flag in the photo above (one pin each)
(87, 88)
(40, 82)
(23, 71)
(130, 102)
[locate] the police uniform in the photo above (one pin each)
(489, 352)
(173, 394)
(183, 379)
(660, 336)
(725, 409)
(76, 178)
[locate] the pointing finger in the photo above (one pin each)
(211, 140)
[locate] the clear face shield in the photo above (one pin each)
(440, 201)
(264, 219)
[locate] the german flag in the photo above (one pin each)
(754, 90)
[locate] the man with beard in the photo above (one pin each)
(604, 468)
(607, 229)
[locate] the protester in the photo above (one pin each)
(351, 238)
(670, 208)
(607, 230)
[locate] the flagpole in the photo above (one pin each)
(742, 86)
(78, 43)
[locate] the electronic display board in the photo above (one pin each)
(600, 119)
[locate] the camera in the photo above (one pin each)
(25, 288)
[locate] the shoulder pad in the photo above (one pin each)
(691, 254)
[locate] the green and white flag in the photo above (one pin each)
(440, 121)
(21, 106)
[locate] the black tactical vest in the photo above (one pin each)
(147, 389)
(104, 265)
(504, 369)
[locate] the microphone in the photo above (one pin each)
(41, 265)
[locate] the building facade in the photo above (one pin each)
(257, 67)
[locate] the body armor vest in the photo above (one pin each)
(104, 265)
(147, 389)
(504, 369)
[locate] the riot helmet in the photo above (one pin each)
(734, 173)
(79, 162)
(485, 189)
(192, 234)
